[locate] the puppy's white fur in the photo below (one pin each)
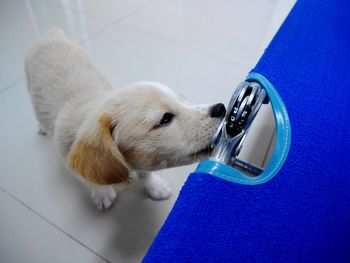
(104, 135)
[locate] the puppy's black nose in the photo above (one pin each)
(217, 111)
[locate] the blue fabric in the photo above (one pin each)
(303, 213)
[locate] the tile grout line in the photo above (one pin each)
(83, 40)
(108, 23)
(53, 225)
(106, 20)
(73, 9)
(111, 22)
(133, 12)
(9, 86)
(182, 46)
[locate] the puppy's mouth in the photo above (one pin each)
(201, 154)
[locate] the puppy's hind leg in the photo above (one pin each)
(157, 188)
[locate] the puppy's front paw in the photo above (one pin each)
(104, 199)
(158, 189)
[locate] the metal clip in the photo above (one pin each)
(241, 111)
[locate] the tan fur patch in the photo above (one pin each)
(97, 158)
(146, 162)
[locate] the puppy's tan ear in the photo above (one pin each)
(96, 157)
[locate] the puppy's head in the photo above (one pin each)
(144, 127)
(157, 129)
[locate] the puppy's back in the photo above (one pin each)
(59, 71)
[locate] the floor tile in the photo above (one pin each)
(25, 237)
(23, 22)
(110, 10)
(233, 30)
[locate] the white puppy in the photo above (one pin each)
(104, 135)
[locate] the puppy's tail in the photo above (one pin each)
(55, 33)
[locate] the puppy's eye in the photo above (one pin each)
(166, 119)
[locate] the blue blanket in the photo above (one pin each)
(303, 213)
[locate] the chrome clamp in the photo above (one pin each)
(241, 111)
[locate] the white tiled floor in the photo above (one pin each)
(201, 48)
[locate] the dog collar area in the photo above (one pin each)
(229, 138)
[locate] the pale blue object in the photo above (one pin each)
(283, 141)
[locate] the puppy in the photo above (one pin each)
(104, 136)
